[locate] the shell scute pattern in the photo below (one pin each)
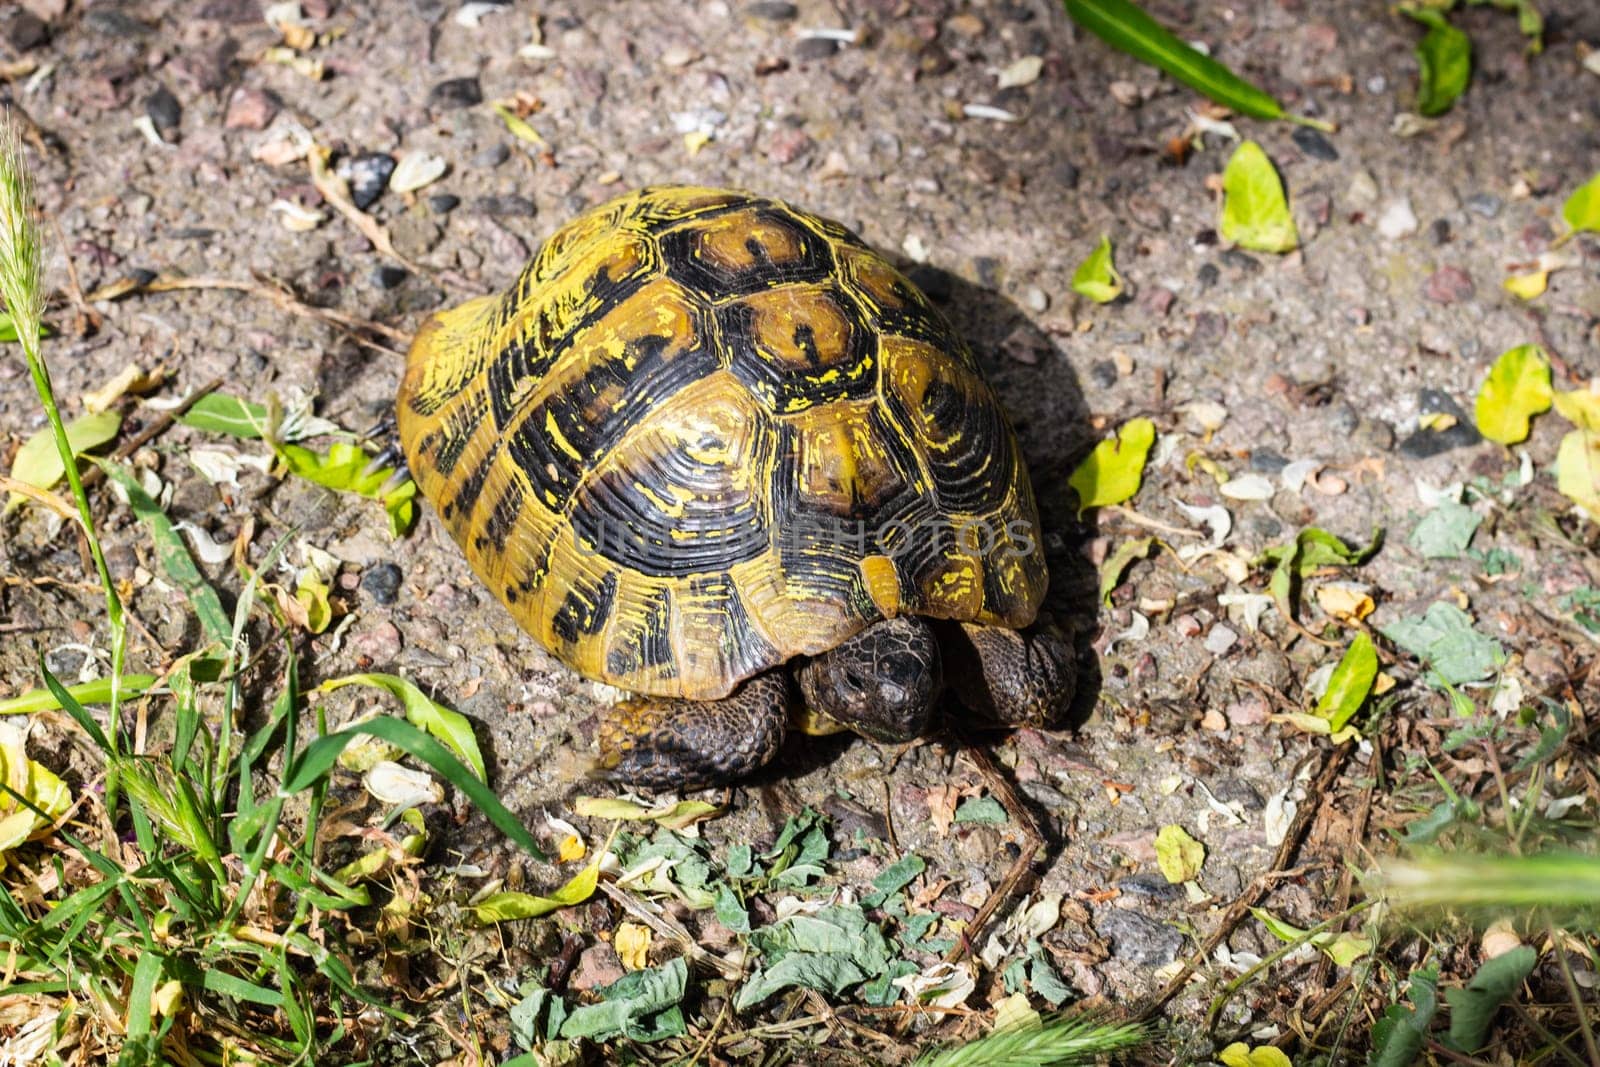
(706, 432)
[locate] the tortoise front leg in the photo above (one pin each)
(1015, 677)
(666, 743)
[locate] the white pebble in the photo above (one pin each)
(1397, 220)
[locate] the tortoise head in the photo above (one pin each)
(881, 683)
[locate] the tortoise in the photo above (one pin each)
(710, 448)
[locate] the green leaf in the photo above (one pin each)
(1350, 683)
(499, 907)
(1473, 1007)
(224, 414)
(634, 1006)
(1117, 564)
(1178, 855)
(1582, 208)
(1124, 26)
(1517, 388)
(343, 469)
(1398, 1037)
(451, 727)
(38, 461)
(1113, 472)
(730, 911)
(174, 557)
(894, 878)
(1342, 948)
(95, 692)
(8, 329)
(1446, 531)
(1444, 56)
(830, 972)
(1578, 469)
(1311, 550)
(984, 811)
(1255, 213)
(1444, 639)
(1097, 277)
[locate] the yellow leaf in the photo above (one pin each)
(1438, 421)
(1345, 603)
(31, 780)
(1578, 469)
(632, 942)
(498, 907)
(1113, 471)
(168, 999)
(518, 126)
(695, 140)
(1528, 286)
(312, 594)
(1097, 277)
(1178, 855)
(1255, 212)
(571, 848)
(1517, 388)
(1581, 407)
(1239, 1054)
(673, 816)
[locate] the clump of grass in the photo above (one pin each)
(1061, 1042)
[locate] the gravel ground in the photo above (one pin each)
(1337, 353)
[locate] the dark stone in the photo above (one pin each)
(113, 23)
(1138, 939)
(1423, 444)
(382, 583)
(1207, 275)
(1229, 790)
(1267, 461)
(1439, 231)
(456, 93)
(1149, 886)
(1486, 204)
(935, 283)
(164, 110)
(988, 269)
(443, 203)
(1103, 373)
(772, 10)
(1240, 261)
(492, 156)
(506, 206)
(1314, 144)
(816, 48)
(27, 30)
(1067, 174)
(1013, 12)
(235, 12)
(368, 176)
(387, 277)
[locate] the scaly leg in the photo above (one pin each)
(666, 743)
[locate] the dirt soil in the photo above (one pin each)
(1341, 353)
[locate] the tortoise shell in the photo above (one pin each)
(706, 432)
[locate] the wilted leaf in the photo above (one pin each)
(1529, 286)
(1517, 388)
(1444, 639)
(1178, 855)
(517, 125)
(1444, 56)
(1255, 213)
(1117, 563)
(1582, 208)
(1446, 531)
(1473, 1007)
(1581, 407)
(641, 1006)
(450, 727)
(311, 594)
(401, 786)
(343, 469)
(499, 907)
(672, 816)
(632, 942)
(1351, 682)
(1113, 471)
(1311, 550)
(1097, 277)
(32, 781)
(38, 461)
(894, 878)
(1578, 469)
(1343, 948)
(1345, 602)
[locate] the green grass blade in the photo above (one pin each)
(141, 1008)
(450, 727)
(319, 757)
(1052, 1043)
(1125, 26)
(95, 692)
(66, 702)
(173, 555)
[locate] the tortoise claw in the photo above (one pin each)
(694, 744)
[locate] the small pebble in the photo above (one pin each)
(1377, 84)
(1266, 461)
(387, 277)
(443, 203)
(1486, 204)
(1207, 275)
(1067, 174)
(1221, 639)
(506, 206)
(382, 582)
(772, 10)
(1449, 285)
(1313, 144)
(456, 93)
(816, 48)
(1439, 231)
(1240, 261)
(368, 176)
(1103, 373)
(1398, 219)
(1149, 886)
(1035, 299)
(1158, 298)
(492, 156)
(1138, 939)
(26, 31)
(165, 112)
